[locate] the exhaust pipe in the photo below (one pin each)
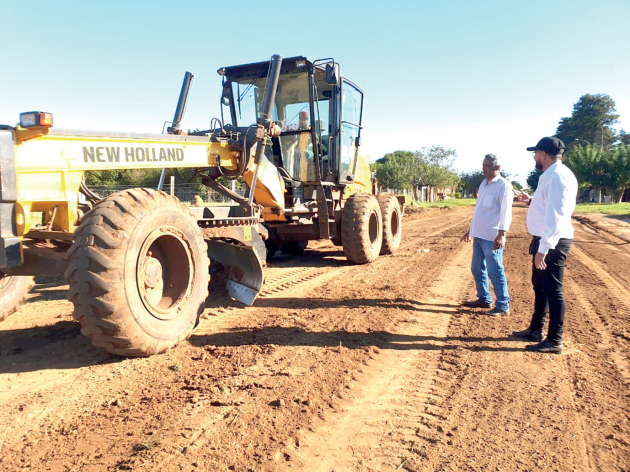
(181, 103)
(179, 114)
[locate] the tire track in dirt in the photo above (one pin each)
(429, 385)
(93, 388)
(437, 225)
(590, 456)
(500, 406)
(228, 312)
(619, 291)
(621, 295)
(64, 367)
(600, 305)
(609, 281)
(399, 393)
(610, 251)
(279, 279)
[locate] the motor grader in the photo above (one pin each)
(137, 262)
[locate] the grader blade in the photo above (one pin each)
(243, 269)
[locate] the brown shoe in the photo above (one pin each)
(478, 304)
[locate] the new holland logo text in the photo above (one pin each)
(131, 154)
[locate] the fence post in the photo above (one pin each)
(172, 185)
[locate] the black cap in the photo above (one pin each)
(552, 146)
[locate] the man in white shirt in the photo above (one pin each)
(490, 221)
(549, 221)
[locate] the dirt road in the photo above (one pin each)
(339, 368)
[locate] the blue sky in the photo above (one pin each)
(476, 77)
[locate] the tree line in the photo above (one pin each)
(598, 155)
(412, 170)
(601, 169)
(470, 181)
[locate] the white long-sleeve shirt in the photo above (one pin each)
(493, 211)
(552, 204)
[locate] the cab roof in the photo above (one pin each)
(289, 65)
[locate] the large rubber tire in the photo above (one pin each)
(138, 273)
(361, 228)
(392, 222)
(13, 291)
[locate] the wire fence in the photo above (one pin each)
(192, 194)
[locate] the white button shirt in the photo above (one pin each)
(552, 204)
(493, 211)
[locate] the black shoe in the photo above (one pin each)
(497, 312)
(478, 304)
(546, 347)
(528, 335)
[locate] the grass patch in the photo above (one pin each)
(607, 208)
(452, 203)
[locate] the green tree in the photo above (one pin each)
(414, 169)
(516, 185)
(470, 181)
(592, 167)
(620, 166)
(438, 168)
(532, 179)
(106, 178)
(624, 137)
(134, 177)
(592, 120)
(393, 170)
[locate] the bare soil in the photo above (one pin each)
(339, 367)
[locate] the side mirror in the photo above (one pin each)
(332, 74)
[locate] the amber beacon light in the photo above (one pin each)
(35, 118)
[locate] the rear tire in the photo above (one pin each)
(392, 222)
(138, 273)
(14, 290)
(361, 228)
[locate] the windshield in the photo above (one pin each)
(293, 150)
(291, 105)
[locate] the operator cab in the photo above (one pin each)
(319, 114)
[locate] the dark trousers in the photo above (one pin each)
(549, 290)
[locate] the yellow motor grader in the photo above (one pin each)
(137, 262)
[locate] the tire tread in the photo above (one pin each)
(95, 286)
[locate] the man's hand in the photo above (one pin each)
(539, 261)
(499, 241)
(466, 237)
(523, 197)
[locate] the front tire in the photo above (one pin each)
(138, 273)
(361, 228)
(14, 290)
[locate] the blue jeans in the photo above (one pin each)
(487, 262)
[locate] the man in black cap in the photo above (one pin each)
(549, 221)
